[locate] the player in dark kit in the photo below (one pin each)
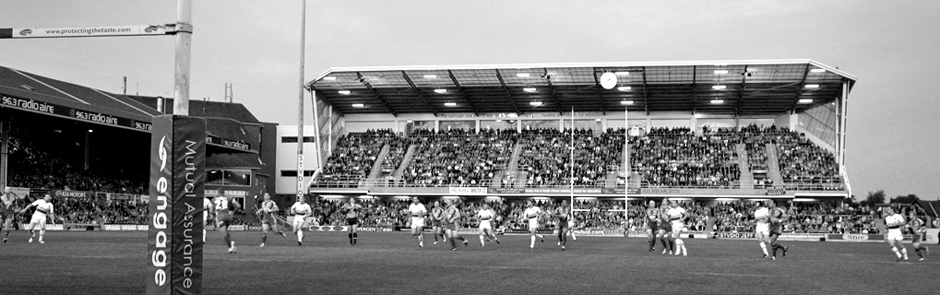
(267, 214)
(437, 217)
(652, 225)
(224, 207)
(562, 214)
(777, 217)
(352, 219)
(917, 227)
(665, 229)
(7, 211)
(451, 216)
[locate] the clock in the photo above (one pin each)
(608, 80)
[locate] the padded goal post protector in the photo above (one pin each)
(177, 176)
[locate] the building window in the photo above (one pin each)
(228, 177)
(293, 173)
(293, 139)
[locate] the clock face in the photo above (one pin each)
(608, 80)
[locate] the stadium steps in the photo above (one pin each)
(377, 166)
(404, 163)
(514, 162)
(747, 178)
(773, 164)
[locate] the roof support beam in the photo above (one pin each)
(694, 74)
(462, 94)
(597, 89)
(508, 94)
(421, 96)
(796, 98)
(376, 94)
(646, 103)
(737, 108)
(554, 96)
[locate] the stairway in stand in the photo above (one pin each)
(747, 178)
(400, 170)
(773, 165)
(377, 166)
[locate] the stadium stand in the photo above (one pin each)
(32, 166)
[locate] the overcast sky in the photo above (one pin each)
(893, 47)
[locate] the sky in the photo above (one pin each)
(893, 47)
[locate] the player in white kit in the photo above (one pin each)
(418, 212)
(486, 217)
(532, 214)
(206, 215)
(895, 221)
(301, 211)
(677, 216)
(762, 226)
(43, 208)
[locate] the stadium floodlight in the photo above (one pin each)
(812, 86)
(806, 100)
(721, 72)
(818, 70)
(625, 102)
(441, 90)
(430, 76)
(450, 104)
(717, 101)
(522, 75)
(719, 87)
(329, 78)
(358, 105)
(90, 131)
(344, 92)
(622, 73)
(535, 103)
(528, 89)
(624, 88)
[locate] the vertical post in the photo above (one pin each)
(300, 102)
(626, 162)
(4, 148)
(184, 22)
(316, 126)
(571, 165)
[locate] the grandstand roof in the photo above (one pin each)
(30, 92)
(751, 87)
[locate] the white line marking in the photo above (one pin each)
(50, 86)
(732, 274)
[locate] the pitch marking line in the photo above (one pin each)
(732, 274)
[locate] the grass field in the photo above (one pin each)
(391, 263)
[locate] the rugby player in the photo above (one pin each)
(665, 228)
(486, 217)
(762, 226)
(894, 221)
(224, 208)
(677, 216)
(352, 220)
(777, 217)
(7, 211)
(417, 211)
(301, 210)
(563, 215)
(917, 227)
(43, 207)
(209, 212)
(532, 214)
(437, 216)
(268, 219)
(451, 216)
(652, 226)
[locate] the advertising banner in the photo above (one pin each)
(466, 190)
(77, 114)
(177, 175)
(70, 194)
(96, 31)
(49, 226)
(808, 237)
(735, 235)
(505, 190)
